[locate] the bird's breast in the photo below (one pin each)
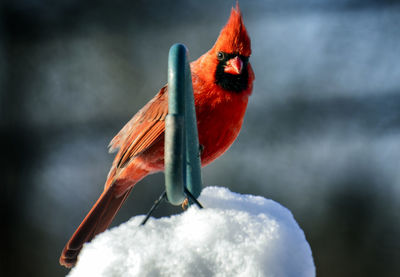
(219, 124)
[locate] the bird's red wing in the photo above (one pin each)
(136, 145)
(142, 130)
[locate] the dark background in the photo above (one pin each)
(321, 135)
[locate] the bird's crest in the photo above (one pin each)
(233, 37)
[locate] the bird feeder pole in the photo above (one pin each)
(182, 166)
(182, 159)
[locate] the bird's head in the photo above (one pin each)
(233, 38)
(229, 57)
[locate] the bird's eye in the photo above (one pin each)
(220, 56)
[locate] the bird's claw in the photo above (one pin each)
(185, 204)
(201, 149)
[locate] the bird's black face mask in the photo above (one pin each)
(236, 82)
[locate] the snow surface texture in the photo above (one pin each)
(234, 235)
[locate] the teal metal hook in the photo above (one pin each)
(182, 167)
(182, 159)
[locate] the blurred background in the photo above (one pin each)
(321, 135)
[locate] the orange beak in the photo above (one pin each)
(234, 66)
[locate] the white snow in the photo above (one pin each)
(234, 235)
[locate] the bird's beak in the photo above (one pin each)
(234, 66)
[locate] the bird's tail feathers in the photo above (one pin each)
(97, 220)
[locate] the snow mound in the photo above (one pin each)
(234, 235)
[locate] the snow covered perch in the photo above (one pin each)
(234, 235)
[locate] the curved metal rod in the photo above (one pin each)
(182, 161)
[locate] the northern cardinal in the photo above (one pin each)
(222, 83)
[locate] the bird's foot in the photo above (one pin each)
(185, 204)
(201, 149)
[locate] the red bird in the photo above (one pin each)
(222, 83)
